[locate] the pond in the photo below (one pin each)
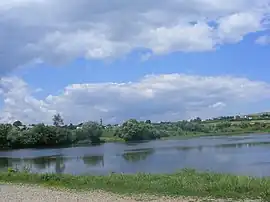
(245, 155)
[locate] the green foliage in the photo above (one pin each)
(17, 123)
(11, 170)
(4, 131)
(89, 131)
(148, 121)
(132, 130)
(38, 136)
(14, 137)
(58, 120)
(41, 135)
(184, 183)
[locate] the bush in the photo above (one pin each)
(89, 131)
(133, 130)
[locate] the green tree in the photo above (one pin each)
(17, 123)
(14, 138)
(101, 122)
(71, 126)
(63, 136)
(148, 121)
(89, 131)
(132, 130)
(4, 130)
(58, 120)
(48, 135)
(244, 125)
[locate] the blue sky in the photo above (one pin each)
(244, 59)
(198, 68)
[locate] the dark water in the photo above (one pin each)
(247, 155)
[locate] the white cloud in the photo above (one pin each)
(19, 102)
(263, 40)
(156, 97)
(234, 27)
(218, 105)
(55, 31)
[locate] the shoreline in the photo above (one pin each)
(186, 183)
(118, 140)
(220, 134)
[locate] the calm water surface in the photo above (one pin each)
(247, 155)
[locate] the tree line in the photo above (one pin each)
(17, 135)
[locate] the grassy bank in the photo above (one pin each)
(189, 135)
(192, 135)
(184, 183)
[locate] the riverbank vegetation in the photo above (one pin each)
(185, 183)
(17, 135)
(42, 135)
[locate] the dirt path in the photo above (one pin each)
(25, 193)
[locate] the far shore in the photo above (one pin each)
(119, 140)
(191, 135)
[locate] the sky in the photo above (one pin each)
(146, 59)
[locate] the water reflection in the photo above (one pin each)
(230, 145)
(241, 155)
(93, 160)
(240, 145)
(5, 162)
(42, 163)
(56, 164)
(137, 155)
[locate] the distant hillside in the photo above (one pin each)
(259, 114)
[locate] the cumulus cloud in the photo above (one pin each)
(263, 40)
(155, 97)
(55, 31)
(20, 103)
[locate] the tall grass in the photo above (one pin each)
(185, 183)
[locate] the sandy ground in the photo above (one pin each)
(27, 193)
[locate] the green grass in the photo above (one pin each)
(193, 135)
(235, 122)
(236, 133)
(184, 183)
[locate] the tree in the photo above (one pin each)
(4, 131)
(58, 120)
(89, 131)
(244, 125)
(148, 121)
(49, 135)
(71, 127)
(14, 138)
(132, 130)
(101, 122)
(17, 123)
